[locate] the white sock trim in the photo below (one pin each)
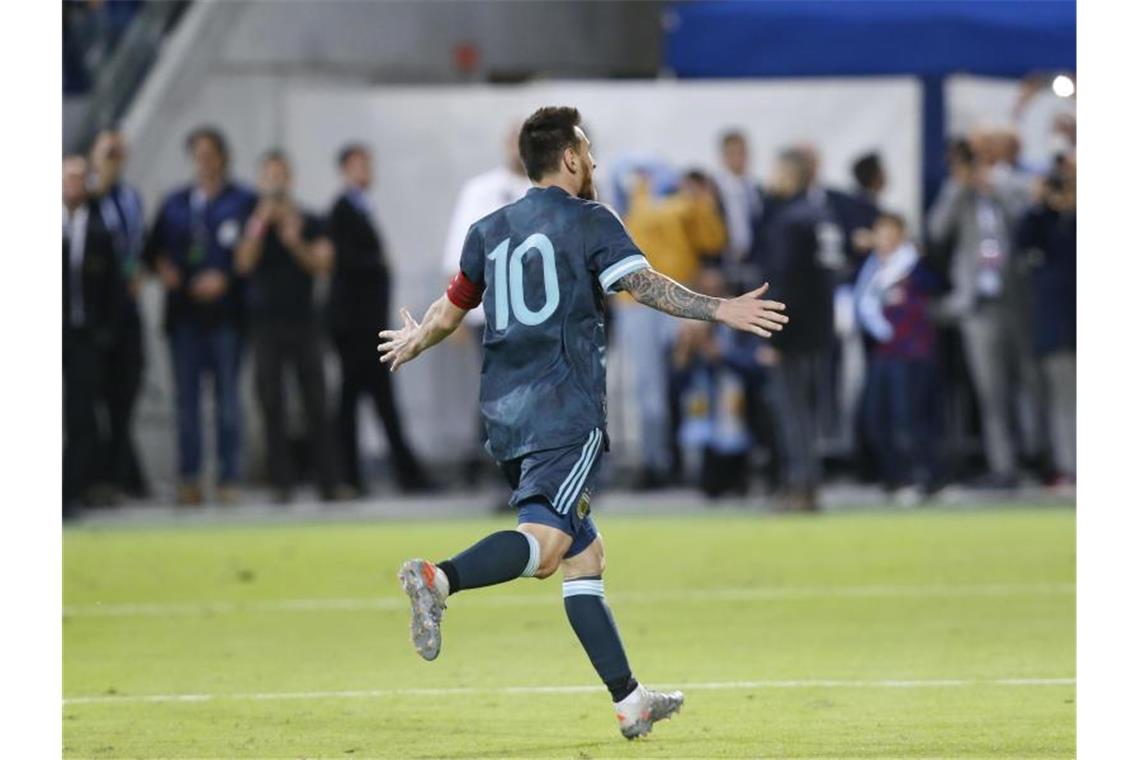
(535, 556)
(583, 588)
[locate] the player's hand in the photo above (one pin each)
(399, 347)
(751, 314)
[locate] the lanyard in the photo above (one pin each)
(199, 230)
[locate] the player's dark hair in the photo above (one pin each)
(214, 136)
(348, 151)
(891, 217)
(544, 136)
(868, 170)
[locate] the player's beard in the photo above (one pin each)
(588, 191)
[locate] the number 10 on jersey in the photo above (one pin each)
(509, 294)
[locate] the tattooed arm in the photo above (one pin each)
(746, 312)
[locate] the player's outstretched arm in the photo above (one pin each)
(747, 312)
(400, 346)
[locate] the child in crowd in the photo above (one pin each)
(893, 295)
(712, 368)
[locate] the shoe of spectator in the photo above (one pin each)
(227, 494)
(798, 500)
(810, 502)
(189, 495)
(420, 484)
(992, 481)
(101, 496)
(1063, 485)
(650, 480)
(342, 492)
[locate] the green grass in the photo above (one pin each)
(975, 597)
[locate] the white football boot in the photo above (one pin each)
(422, 583)
(638, 712)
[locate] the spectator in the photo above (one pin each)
(358, 309)
(975, 211)
(742, 204)
(192, 249)
(857, 213)
(121, 209)
(479, 196)
(92, 289)
(283, 250)
(1048, 237)
(1007, 167)
(870, 177)
(803, 257)
(713, 367)
(893, 296)
(675, 233)
(849, 213)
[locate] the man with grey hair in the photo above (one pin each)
(803, 259)
(976, 211)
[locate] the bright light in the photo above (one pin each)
(1063, 86)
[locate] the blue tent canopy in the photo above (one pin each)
(925, 38)
(738, 38)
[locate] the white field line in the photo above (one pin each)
(940, 683)
(754, 594)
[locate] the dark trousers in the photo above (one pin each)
(903, 420)
(798, 390)
(197, 351)
(363, 374)
(120, 393)
(276, 348)
(81, 379)
(723, 473)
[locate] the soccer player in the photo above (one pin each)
(541, 267)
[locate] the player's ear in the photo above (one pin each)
(570, 160)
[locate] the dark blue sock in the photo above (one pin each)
(584, 599)
(498, 558)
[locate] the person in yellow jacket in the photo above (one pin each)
(676, 233)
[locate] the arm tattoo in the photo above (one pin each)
(657, 291)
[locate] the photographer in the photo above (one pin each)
(282, 251)
(1048, 237)
(974, 217)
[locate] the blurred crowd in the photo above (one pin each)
(882, 312)
(239, 267)
(906, 336)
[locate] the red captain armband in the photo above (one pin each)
(463, 293)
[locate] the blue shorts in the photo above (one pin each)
(553, 487)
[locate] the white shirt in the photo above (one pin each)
(75, 232)
(742, 203)
(481, 195)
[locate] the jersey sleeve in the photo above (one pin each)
(472, 258)
(610, 252)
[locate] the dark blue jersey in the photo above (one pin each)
(544, 263)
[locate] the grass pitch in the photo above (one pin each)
(926, 634)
